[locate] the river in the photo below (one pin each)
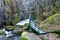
(9, 34)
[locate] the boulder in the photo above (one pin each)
(23, 24)
(50, 36)
(29, 36)
(17, 31)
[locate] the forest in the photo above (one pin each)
(29, 19)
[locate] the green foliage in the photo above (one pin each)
(50, 23)
(9, 11)
(52, 18)
(12, 11)
(57, 8)
(6, 2)
(57, 33)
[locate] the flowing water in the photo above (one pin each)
(10, 35)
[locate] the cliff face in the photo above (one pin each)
(12, 11)
(2, 15)
(24, 8)
(7, 11)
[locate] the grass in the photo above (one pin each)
(50, 23)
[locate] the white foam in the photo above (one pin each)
(8, 33)
(23, 22)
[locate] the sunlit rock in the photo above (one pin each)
(23, 24)
(29, 36)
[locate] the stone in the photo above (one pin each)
(17, 31)
(29, 36)
(50, 36)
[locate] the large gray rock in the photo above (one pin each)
(29, 36)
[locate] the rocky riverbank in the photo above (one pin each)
(33, 36)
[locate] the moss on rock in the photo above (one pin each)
(25, 26)
(51, 23)
(23, 36)
(20, 28)
(29, 36)
(10, 27)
